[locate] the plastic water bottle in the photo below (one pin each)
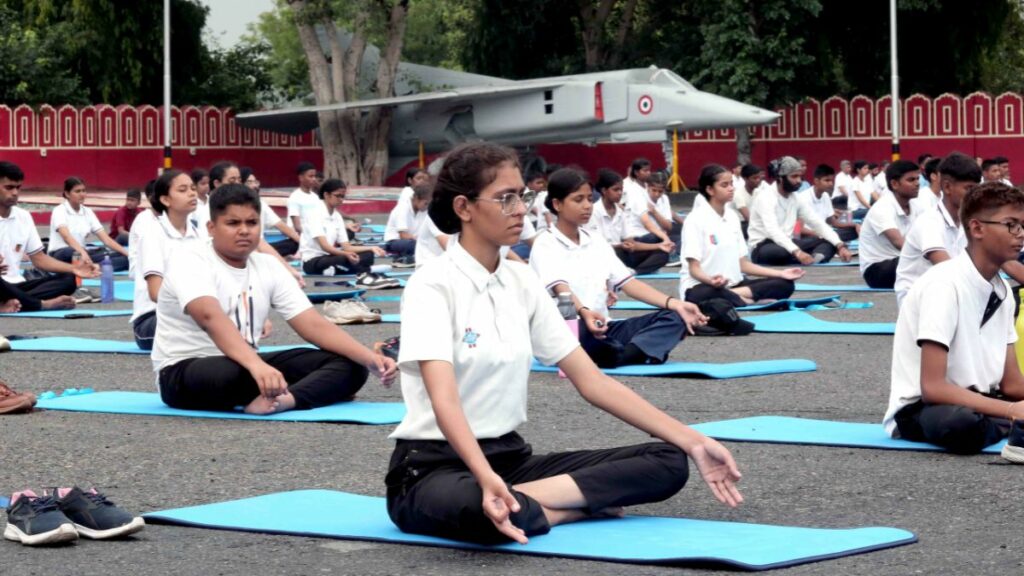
(380, 268)
(568, 311)
(106, 280)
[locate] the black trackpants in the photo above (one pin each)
(956, 428)
(31, 293)
(760, 289)
(647, 262)
(882, 274)
(768, 253)
(341, 264)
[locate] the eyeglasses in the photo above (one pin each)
(1013, 227)
(510, 201)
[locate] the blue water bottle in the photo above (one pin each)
(106, 280)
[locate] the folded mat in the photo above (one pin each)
(75, 344)
(798, 322)
(76, 313)
(789, 430)
(706, 369)
(633, 539)
(801, 287)
(149, 404)
(824, 302)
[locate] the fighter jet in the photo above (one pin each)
(637, 105)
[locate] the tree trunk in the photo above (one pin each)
(743, 145)
(592, 19)
(378, 121)
(625, 26)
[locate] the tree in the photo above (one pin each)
(355, 148)
(602, 50)
(34, 65)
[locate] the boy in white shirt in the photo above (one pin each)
(844, 186)
(859, 199)
(936, 235)
(751, 178)
(305, 196)
(212, 307)
(413, 178)
(990, 171)
(819, 196)
(887, 223)
(404, 224)
(773, 218)
(541, 217)
(928, 193)
(955, 378)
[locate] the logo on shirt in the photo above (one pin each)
(713, 239)
(470, 337)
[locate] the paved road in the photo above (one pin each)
(963, 508)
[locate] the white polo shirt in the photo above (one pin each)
(200, 216)
(926, 200)
(866, 186)
(299, 201)
(773, 217)
(716, 242)
(246, 296)
(79, 224)
(403, 218)
(268, 218)
(946, 305)
(590, 269)
(427, 246)
(141, 223)
(156, 243)
(843, 185)
(930, 231)
(489, 327)
(630, 188)
(539, 209)
(611, 228)
(406, 194)
(822, 206)
(639, 203)
(881, 185)
(316, 223)
(886, 214)
(18, 238)
(741, 198)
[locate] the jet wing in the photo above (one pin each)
(303, 119)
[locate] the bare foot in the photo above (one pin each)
(10, 307)
(59, 303)
(261, 405)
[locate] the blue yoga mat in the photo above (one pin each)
(65, 313)
(390, 318)
(149, 404)
(383, 299)
(660, 276)
(799, 322)
(789, 430)
(706, 369)
(633, 539)
(88, 345)
(800, 287)
(4, 501)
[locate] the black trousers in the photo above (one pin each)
(643, 262)
(655, 334)
(31, 293)
(341, 264)
(119, 261)
(430, 490)
(401, 247)
(882, 274)
(846, 234)
(674, 234)
(144, 330)
(760, 289)
(769, 253)
(286, 247)
(956, 428)
(315, 377)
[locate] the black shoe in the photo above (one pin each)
(390, 348)
(1014, 449)
(94, 516)
(404, 262)
(35, 521)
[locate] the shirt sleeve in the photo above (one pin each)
(405, 217)
(693, 240)
(94, 222)
(188, 277)
(619, 273)
(426, 328)
(765, 205)
(550, 336)
(930, 234)
(294, 206)
(58, 218)
(33, 243)
(285, 295)
(270, 217)
(941, 327)
(546, 261)
(151, 254)
(741, 198)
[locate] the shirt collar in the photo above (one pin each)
(945, 214)
(70, 210)
(473, 269)
(977, 281)
(899, 209)
(565, 241)
(172, 232)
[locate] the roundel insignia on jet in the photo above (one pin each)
(645, 104)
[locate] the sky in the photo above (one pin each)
(229, 18)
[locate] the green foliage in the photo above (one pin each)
(237, 78)
(285, 62)
(523, 39)
(34, 64)
(436, 32)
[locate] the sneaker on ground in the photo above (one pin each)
(375, 282)
(35, 521)
(94, 516)
(85, 296)
(675, 263)
(1014, 449)
(5, 344)
(404, 262)
(12, 402)
(389, 347)
(350, 312)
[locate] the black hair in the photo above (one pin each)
(960, 167)
(708, 175)
(606, 178)
(533, 175)
(561, 184)
(150, 190)
(218, 170)
(750, 170)
(899, 169)
(988, 163)
(658, 178)
(244, 172)
(859, 164)
(931, 167)
(412, 173)
(198, 174)
(1001, 160)
(638, 165)
(922, 157)
(990, 196)
(70, 182)
(823, 171)
(467, 170)
(872, 165)
(162, 187)
(11, 171)
(134, 193)
(421, 191)
(304, 167)
(232, 195)
(330, 186)
(551, 169)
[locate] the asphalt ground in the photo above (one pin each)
(964, 509)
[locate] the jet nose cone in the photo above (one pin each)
(706, 111)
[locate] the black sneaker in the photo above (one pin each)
(404, 262)
(390, 347)
(94, 516)
(372, 281)
(35, 521)
(1014, 449)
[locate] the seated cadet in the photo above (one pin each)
(539, 215)
(287, 246)
(413, 177)
(211, 312)
(141, 223)
(716, 253)
(609, 221)
(72, 222)
(472, 324)
(121, 223)
(174, 200)
(928, 195)
(403, 225)
(773, 216)
(859, 199)
(325, 243)
(305, 196)
(990, 171)
(819, 196)
(936, 235)
(18, 238)
(843, 187)
(751, 176)
(955, 378)
(568, 258)
(887, 224)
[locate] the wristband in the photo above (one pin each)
(667, 300)
(579, 311)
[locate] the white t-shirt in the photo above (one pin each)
(299, 201)
(773, 217)
(590, 269)
(268, 218)
(925, 201)
(80, 224)
(427, 246)
(843, 185)
(489, 327)
(156, 243)
(318, 223)
(716, 241)
(630, 188)
(18, 238)
(140, 225)
(930, 231)
(539, 209)
(946, 306)
(637, 204)
(200, 216)
(406, 195)
(822, 206)
(741, 198)
(866, 186)
(611, 228)
(664, 207)
(246, 296)
(403, 218)
(881, 185)
(886, 214)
